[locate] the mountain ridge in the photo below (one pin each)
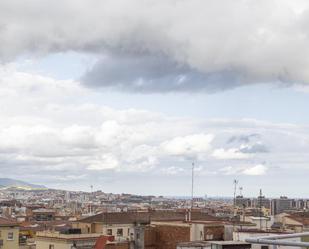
(13, 183)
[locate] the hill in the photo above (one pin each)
(9, 183)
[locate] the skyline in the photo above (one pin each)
(129, 94)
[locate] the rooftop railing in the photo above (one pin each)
(276, 240)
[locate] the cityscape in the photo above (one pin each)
(34, 216)
(154, 124)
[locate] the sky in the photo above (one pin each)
(125, 95)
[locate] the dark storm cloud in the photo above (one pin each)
(248, 144)
(207, 45)
(243, 138)
(150, 74)
(255, 148)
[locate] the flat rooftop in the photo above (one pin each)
(194, 244)
(56, 235)
(229, 242)
(209, 243)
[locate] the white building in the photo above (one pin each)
(243, 235)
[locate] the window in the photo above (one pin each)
(10, 235)
(264, 247)
(51, 247)
(119, 232)
(109, 232)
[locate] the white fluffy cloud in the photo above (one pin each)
(51, 133)
(256, 170)
(237, 170)
(104, 162)
(190, 146)
(231, 153)
(171, 45)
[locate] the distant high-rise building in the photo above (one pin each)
(280, 205)
(67, 196)
(240, 201)
(300, 204)
(261, 201)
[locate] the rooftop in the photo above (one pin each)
(55, 235)
(43, 210)
(230, 242)
(194, 244)
(4, 222)
(145, 217)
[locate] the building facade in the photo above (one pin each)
(9, 234)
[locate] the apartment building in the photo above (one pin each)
(122, 225)
(56, 240)
(280, 205)
(242, 202)
(9, 234)
(168, 234)
(242, 235)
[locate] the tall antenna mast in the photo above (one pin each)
(235, 187)
(91, 186)
(260, 208)
(234, 202)
(235, 182)
(192, 186)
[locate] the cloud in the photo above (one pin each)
(154, 73)
(172, 170)
(166, 46)
(58, 130)
(248, 144)
(188, 146)
(256, 170)
(243, 138)
(254, 148)
(103, 162)
(232, 153)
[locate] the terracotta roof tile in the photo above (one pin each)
(145, 217)
(7, 222)
(102, 240)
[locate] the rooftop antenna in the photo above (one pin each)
(192, 189)
(243, 205)
(235, 187)
(192, 186)
(91, 187)
(234, 201)
(260, 208)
